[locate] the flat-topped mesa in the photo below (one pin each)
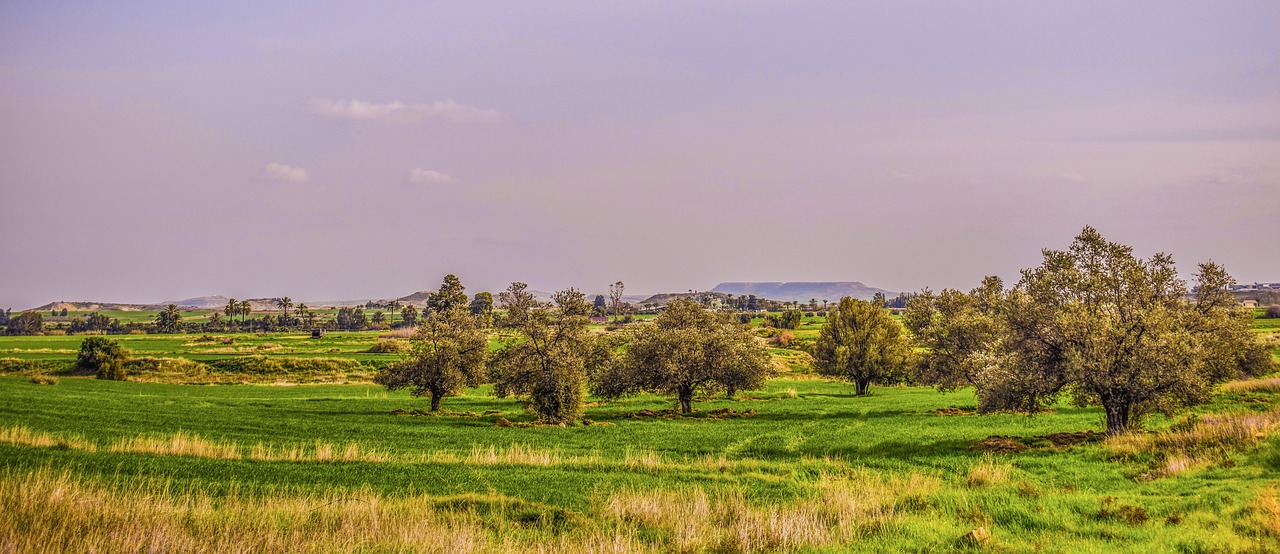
(803, 291)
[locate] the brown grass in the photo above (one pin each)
(1266, 384)
(845, 508)
(72, 514)
(1196, 443)
(987, 473)
(21, 436)
(178, 444)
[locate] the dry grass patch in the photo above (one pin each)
(321, 452)
(21, 436)
(987, 473)
(77, 515)
(514, 454)
(1267, 384)
(843, 509)
(178, 444)
(1196, 442)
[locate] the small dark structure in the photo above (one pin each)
(317, 333)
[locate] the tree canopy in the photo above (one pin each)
(449, 351)
(861, 342)
(1097, 323)
(687, 351)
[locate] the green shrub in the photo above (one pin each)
(12, 366)
(104, 357)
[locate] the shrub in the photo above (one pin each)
(44, 380)
(31, 367)
(387, 346)
(783, 338)
(1272, 312)
(104, 357)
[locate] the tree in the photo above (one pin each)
(615, 299)
(409, 315)
(549, 360)
(393, 307)
(245, 309)
(169, 320)
(861, 342)
(215, 321)
(451, 295)
(879, 300)
(957, 330)
(305, 314)
(378, 318)
(351, 319)
(1109, 329)
(26, 323)
(600, 307)
(688, 351)
(231, 309)
(102, 356)
(481, 304)
(449, 351)
(284, 304)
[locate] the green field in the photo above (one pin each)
(801, 465)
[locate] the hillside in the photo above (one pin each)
(803, 291)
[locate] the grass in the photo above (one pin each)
(816, 469)
(801, 465)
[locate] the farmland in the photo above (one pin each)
(798, 465)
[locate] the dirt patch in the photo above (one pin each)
(1072, 439)
(1000, 444)
(952, 412)
(672, 413)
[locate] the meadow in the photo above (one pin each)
(801, 465)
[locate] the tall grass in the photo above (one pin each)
(1197, 442)
(44, 511)
(845, 508)
(21, 436)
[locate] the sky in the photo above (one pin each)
(151, 151)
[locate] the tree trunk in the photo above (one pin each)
(861, 386)
(1117, 417)
(686, 400)
(435, 402)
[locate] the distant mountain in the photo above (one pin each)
(201, 302)
(802, 291)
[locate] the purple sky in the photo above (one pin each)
(149, 152)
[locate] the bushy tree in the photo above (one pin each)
(102, 356)
(957, 329)
(351, 319)
(1110, 329)
(26, 323)
(169, 320)
(451, 295)
(409, 315)
(549, 360)
(448, 354)
(481, 303)
(1272, 312)
(862, 343)
(686, 352)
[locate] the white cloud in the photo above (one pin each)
(421, 176)
(397, 112)
(281, 172)
(904, 176)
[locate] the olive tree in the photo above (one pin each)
(1105, 327)
(687, 351)
(862, 343)
(549, 358)
(448, 354)
(102, 356)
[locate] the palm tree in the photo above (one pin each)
(304, 312)
(231, 310)
(284, 304)
(392, 307)
(245, 308)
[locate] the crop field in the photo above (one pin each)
(801, 465)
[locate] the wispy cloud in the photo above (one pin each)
(288, 174)
(906, 177)
(421, 176)
(398, 112)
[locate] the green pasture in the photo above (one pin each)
(799, 430)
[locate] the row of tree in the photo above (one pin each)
(1092, 323)
(549, 358)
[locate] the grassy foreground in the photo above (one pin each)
(801, 466)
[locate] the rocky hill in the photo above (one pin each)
(803, 291)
